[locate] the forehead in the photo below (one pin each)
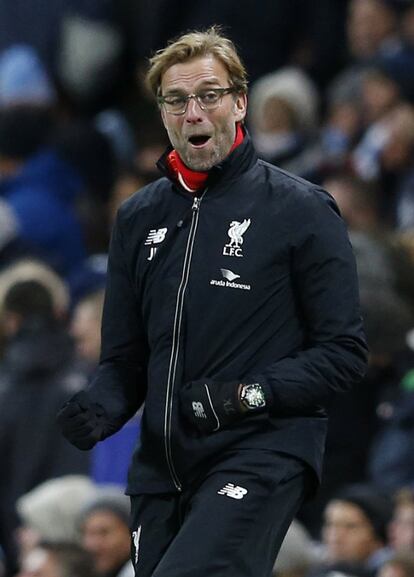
(344, 511)
(190, 75)
(404, 511)
(102, 518)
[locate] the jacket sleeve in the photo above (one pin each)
(120, 382)
(324, 279)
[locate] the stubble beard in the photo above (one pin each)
(194, 161)
(204, 160)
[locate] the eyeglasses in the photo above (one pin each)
(207, 100)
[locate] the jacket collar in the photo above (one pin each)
(237, 162)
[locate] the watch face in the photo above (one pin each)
(252, 396)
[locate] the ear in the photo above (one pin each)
(240, 107)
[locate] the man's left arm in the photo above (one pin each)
(325, 281)
(334, 355)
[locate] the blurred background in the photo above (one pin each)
(331, 99)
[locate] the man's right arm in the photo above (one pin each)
(118, 387)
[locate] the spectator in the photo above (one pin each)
(372, 28)
(401, 565)
(37, 372)
(391, 463)
(105, 533)
(23, 79)
(375, 48)
(57, 560)
(85, 328)
(403, 262)
(407, 24)
(397, 158)
(89, 58)
(385, 154)
(40, 188)
(380, 93)
(401, 529)
(49, 512)
(357, 201)
(128, 181)
(28, 270)
(111, 458)
(284, 112)
(355, 527)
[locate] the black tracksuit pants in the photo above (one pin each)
(231, 524)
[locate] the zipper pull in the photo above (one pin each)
(196, 203)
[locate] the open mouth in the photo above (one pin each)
(199, 140)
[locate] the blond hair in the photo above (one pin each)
(196, 45)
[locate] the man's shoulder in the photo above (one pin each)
(280, 177)
(292, 186)
(146, 197)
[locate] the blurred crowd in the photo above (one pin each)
(331, 99)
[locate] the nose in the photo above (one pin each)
(193, 113)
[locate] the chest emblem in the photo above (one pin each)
(229, 280)
(155, 236)
(235, 233)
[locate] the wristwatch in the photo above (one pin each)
(252, 397)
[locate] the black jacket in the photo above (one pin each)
(254, 281)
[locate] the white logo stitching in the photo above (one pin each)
(136, 536)
(198, 409)
(229, 275)
(155, 236)
(235, 233)
(233, 491)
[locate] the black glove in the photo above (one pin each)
(210, 405)
(82, 422)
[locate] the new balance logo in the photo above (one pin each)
(233, 491)
(198, 410)
(155, 236)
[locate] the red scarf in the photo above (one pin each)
(192, 180)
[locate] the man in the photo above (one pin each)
(355, 527)
(39, 190)
(105, 532)
(401, 528)
(38, 369)
(57, 559)
(231, 309)
(85, 327)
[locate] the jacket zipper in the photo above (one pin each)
(176, 340)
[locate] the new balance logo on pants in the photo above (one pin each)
(233, 491)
